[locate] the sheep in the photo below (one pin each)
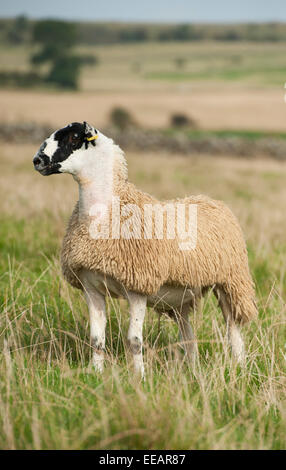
(110, 249)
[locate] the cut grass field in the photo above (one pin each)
(49, 397)
(212, 109)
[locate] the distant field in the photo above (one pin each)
(219, 85)
(245, 64)
(121, 66)
(215, 108)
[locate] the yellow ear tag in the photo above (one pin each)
(94, 137)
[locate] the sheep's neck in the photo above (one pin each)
(98, 183)
(91, 195)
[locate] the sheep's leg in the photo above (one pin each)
(97, 313)
(233, 332)
(137, 305)
(186, 333)
(236, 341)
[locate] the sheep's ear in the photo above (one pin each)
(89, 130)
(90, 134)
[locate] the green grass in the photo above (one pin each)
(250, 135)
(50, 399)
(269, 75)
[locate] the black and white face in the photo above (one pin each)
(63, 147)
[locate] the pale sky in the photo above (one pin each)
(149, 10)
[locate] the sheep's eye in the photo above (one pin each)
(74, 138)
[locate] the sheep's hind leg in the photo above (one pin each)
(233, 331)
(97, 313)
(137, 305)
(186, 333)
(236, 341)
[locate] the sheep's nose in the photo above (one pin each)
(37, 161)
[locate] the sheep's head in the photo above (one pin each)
(62, 152)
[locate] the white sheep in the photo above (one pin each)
(118, 242)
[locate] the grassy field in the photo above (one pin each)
(123, 66)
(51, 399)
(219, 85)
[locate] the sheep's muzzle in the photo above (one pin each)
(44, 166)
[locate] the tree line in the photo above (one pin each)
(20, 31)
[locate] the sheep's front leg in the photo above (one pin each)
(137, 306)
(97, 313)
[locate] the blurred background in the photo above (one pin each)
(219, 69)
(194, 92)
(192, 84)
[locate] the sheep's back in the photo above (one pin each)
(220, 247)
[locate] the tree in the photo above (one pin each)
(65, 72)
(19, 30)
(186, 32)
(121, 118)
(51, 32)
(133, 35)
(182, 32)
(56, 40)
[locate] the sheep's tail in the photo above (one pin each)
(237, 301)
